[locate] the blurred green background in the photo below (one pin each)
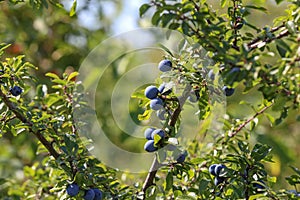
(56, 42)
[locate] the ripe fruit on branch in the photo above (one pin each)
(156, 104)
(72, 189)
(149, 146)
(163, 90)
(159, 132)
(16, 91)
(211, 169)
(151, 92)
(148, 133)
(89, 195)
(181, 157)
(218, 169)
(165, 65)
(98, 194)
(228, 91)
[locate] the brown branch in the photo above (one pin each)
(22, 118)
(262, 43)
(155, 164)
(248, 121)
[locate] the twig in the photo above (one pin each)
(262, 43)
(22, 118)
(155, 164)
(249, 120)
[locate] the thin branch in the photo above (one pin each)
(249, 120)
(155, 164)
(262, 43)
(22, 118)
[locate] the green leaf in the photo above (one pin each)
(156, 18)
(185, 28)
(145, 116)
(169, 181)
(223, 3)
(281, 51)
(73, 8)
(166, 49)
(143, 9)
(260, 151)
(72, 75)
(52, 75)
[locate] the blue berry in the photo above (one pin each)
(234, 70)
(218, 169)
(163, 90)
(159, 132)
(151, 92)
(16, 91)
(165, 65)
(211, 169)
(181, 157)
(89, 195)
(72, 189)
(149, 146)
(156, 104)
(98, 194)
(148, 133)
(218, 180)
(228, 91)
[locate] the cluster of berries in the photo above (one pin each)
(217, 170)
(90, 194)
(149, 135)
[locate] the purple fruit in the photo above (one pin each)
(156, 104)
(148, 133)
(89, 195)
(181, 157)
(211, 169)
(163, 90)
(228, 91)
(159, 132)
(151, 92)
(16, 91)
(165, 65)
(161, 87)
(98, 194)
(234, 70)
(72, 189)
(218, 169)
(149, 146)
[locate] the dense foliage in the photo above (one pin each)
(256, 70)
